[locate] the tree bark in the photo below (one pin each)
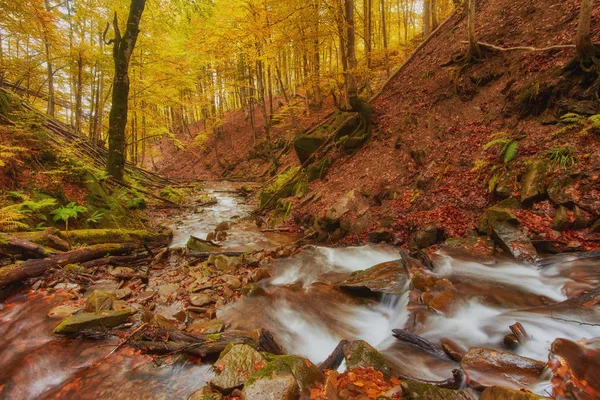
(50, 108)
(426, 18)
(122, 49)
(368, 29)
(384, 34)
(473, 51)
(583, 41)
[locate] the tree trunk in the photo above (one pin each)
(349, 75)
(384, 34)
(368, 28)
(434, 19)
(473, 51)
(50, 109)
(583, 42)
(426, 18)
(122, 48)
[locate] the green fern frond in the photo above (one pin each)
(499, 135)
(511, 151)
(500, 141)
(572, 118)
(11, 219)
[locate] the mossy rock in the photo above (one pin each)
(493, 216)
(305, 146)
(346, 128)
(314, 172)
(235, 366)
(174, 195)
(562, 221)
(422, 391)
(103, 319)
(305, 373)
(199, 245)
(557, 190)
(99, 300)
(533, 184)
(359, 353)
(353, 143)
(282, 187)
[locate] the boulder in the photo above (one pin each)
(381, 235)
(123, 272)
(235, 366)
(200, 299)
(105, 319)
(562, 221)
(268, 382)
(349, 202)
(359, 353)
(492, 216)
(576, 367)
(514, 241)
(206, 393)
(532, 183)
(253, 290)
(123, 293)
(412, 390)
(62, 312)
(426, 236)
(502, 393)
(305, 146)
(259, 274)
(199, 245)
(385, 278)
(99, 300)
(489, 367)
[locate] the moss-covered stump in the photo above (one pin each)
(283, 378)
(532, 184)
(235, 366)
(385, 278)
(421, 391)
(102, 319)
(305, 146)
(501, 393)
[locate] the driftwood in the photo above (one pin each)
(568, 257)
(520, 333)
(168, 341)
(419, 342)
(335, 358)
(18, 272)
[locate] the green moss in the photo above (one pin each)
(306, 373)
(174, 195)
(282, 187)
(364, 355)
(213, 336)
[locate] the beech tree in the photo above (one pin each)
(123, 46)
(473, 51)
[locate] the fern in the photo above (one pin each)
(11, 219)
(507, 146)
(572, 119)
(8, 153)
(511, 151)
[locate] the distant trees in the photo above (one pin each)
(123, 46)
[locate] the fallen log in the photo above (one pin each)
(49, 238)
(115, 260)
(419, 342)
(520, 333)
(100, 236)
(15, 246)
(17, 272)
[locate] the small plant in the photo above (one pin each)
(96, 217)
(570, 121)
(593, 123)
(174, 195)
(67, 212)
(137, 203)
(12, 217)
(508, 147)
(563, 156)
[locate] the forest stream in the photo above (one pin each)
(307, 315)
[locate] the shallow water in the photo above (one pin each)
(307, 315)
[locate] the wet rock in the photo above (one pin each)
(167, 290)
(359, 353)
(444, 302)
(99, 300)
(576, 367)
(105, 319)
(490, 367)
(532, 183)
(220, 236)
(199, 245)
(253, 290)
(200, 299)
(511, 342)
(385, 278)
(207, 326)
(501, 393)
(275, 375)
(381, 235)
(206, 393)
(123, 272)
(223, 226)
(259, 274)
(514, 241)
(453, 350)
(63, 311)
(123, 293)
(421, 391)
(423, 281)
(562, 221)
(231, 282)
(253, 259)
(426, 236)
(493, 216)
(235, 367)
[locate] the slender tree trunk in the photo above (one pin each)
(122, 48)
(384, 34)
(50, 108)
(79, 90)
(473, 51)
(350, 77)
(434, 17)
(585, 47)
(368, 28)
(426, 18)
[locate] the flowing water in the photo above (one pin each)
(308, 315)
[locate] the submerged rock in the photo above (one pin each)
(284, 377)
(235, 367)
(105, 319)
(501, 393)
(385, 278)
(491, 367)
(412, 390)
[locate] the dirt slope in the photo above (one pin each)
(450, 115)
